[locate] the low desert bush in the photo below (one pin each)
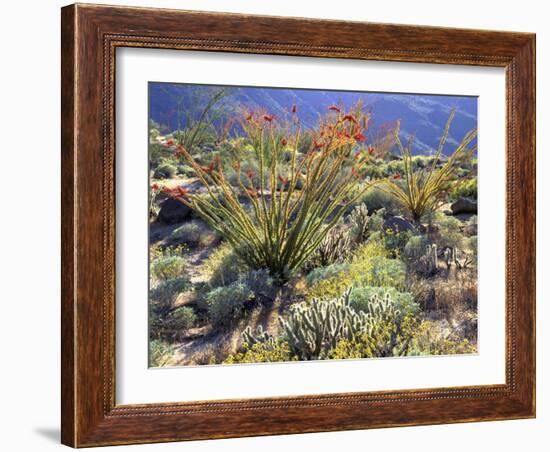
(415, 248)
(370, 267)
(159, 352)
(226, 304)
(166, 291)
(167, 267)
(165, 171)
(449, 232)
(223, 266)
(376, 199)
(431, 339)
(262, 352)
(463, 188)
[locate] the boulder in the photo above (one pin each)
(173, 211)
(464, 205)
(397, 224)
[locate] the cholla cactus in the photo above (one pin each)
(335, 247)
(360, 221)
(252, 337)
(427, 264)
(277, 218)
(313, 329)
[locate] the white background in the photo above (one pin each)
(30, 226)
(137, 384)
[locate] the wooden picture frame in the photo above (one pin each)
(90, 36)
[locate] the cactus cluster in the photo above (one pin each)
(451, 257)
(335, 248)
(359, 221)
(313, 329)
(257, 336)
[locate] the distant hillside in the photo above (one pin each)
(423, 116)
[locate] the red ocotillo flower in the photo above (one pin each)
(354, 172)
(268, 118)
(359, 137)
(293, 108)
(284, 142)
(208, 169)
(334, 108)
(170, 142)
(250, 173)
(317, 145)
(179, 150)
(283, 180)
(397, 176)
(350, 118)
(370, 150)
(155, 187)
(182, 192)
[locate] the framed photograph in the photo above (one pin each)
(280, 225)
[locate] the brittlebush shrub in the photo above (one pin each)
(430, 339)
(390, 337)
(369, 267)
(262, 352)
(463, 188)
(167, 267)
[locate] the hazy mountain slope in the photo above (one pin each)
(423, 116)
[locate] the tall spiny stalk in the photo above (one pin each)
(280, 221)
(421, 190)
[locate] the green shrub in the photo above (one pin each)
(377, 219)
(370, 267)
(166, 291)
(183, 317)
(159, 352)
(382, 271)
(415, 248)
(323, 273)
(226, 304)
(223, 266)
(430, 339)
(262, 352)
(449, 232)
(375, 199)
(167, 267)
(185, 170)
(165, 171)
(189, 233)
(463, 188)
